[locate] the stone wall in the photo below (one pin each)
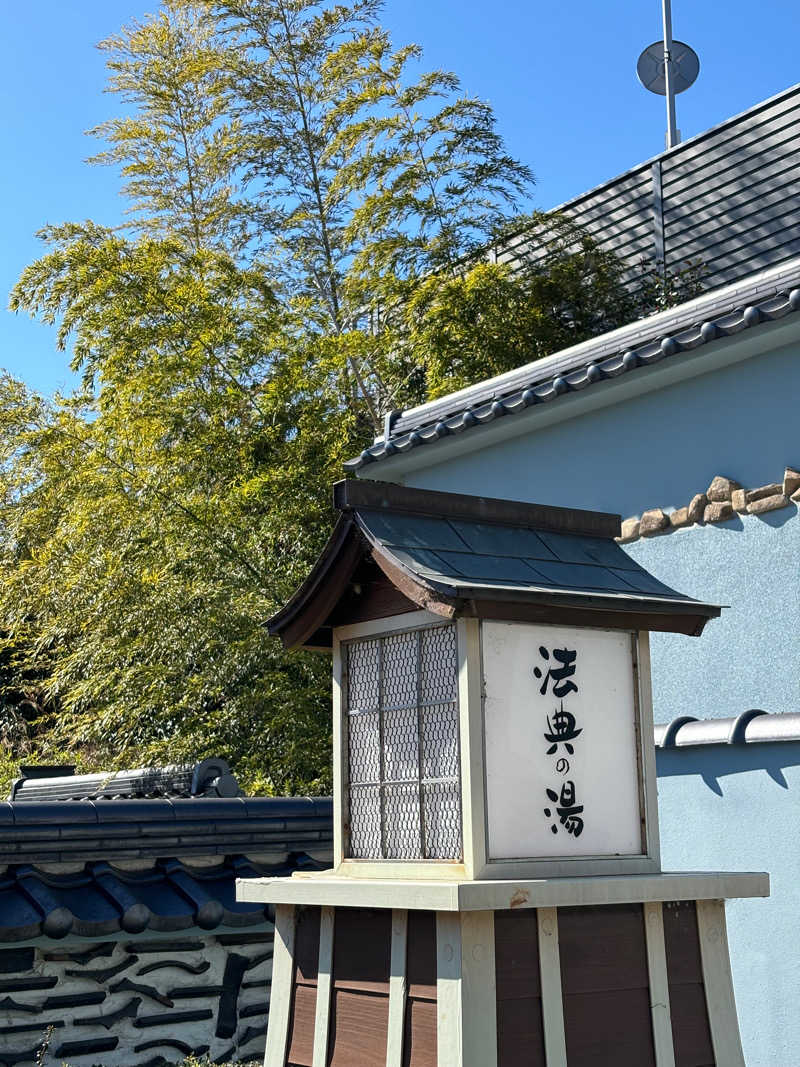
(136, 1001)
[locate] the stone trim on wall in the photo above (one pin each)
(723, 499)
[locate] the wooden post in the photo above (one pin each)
(470, 706)
(555, 1042)
(397, 989)
(659, 985)
(324, 975)
(449, 1032)
(281, 991)
(718, 982)
(478, 989)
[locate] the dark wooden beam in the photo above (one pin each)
(603, 616)
(350, 494)
(412, 587)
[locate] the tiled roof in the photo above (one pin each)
(460, 556)
(94, 868)
(101, 900)
(69, 831)
(209, 777)
(768, 296)
(469, 555)
(748, 727)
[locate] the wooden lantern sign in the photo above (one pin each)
(497, 895)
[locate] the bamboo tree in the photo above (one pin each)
(302, 203)
(429, 173)
(176, 148)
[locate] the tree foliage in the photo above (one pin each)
(175, 148)
(148, 516)
(301, 256)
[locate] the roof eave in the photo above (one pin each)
(721, 317)
(305, 611)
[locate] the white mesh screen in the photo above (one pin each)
(401, 704)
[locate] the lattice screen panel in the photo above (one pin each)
(401, 703)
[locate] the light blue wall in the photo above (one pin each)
(736, 808)
(749, 657)
(656, 450)
(725, 808)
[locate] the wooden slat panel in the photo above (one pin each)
(682, 943)
(304, 981)
(362, 949)
(520, 1034)
(691, 1034)
(611, 1027)
(520, 1029)
(420, 1030)
(516, 955)
(306, 946)
(301, 1026)
(359, 1028)
(421, 968)
(602, 948)
(420, 1040)
(605, 986)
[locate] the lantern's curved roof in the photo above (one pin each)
(475, 556)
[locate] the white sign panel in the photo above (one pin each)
(561, 755)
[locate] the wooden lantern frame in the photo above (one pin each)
(476, 863)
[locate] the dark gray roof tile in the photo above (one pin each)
(413, 531)
(101, 900)
(477, 566)
(105, 829)
(502, 541)
(763, 297)
(566, 562)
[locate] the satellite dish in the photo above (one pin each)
(685, 67)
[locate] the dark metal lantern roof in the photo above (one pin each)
(475, 556)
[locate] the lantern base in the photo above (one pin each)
(624, 970)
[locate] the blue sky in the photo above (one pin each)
(561, 77)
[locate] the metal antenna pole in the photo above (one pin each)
(669, 86)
